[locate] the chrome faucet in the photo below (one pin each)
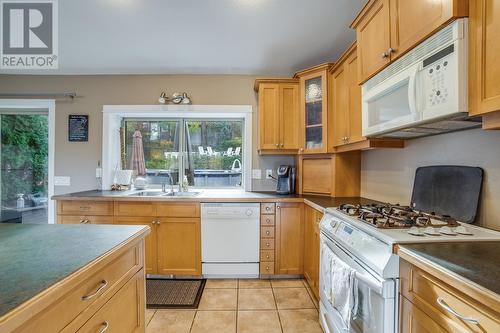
(164, 182)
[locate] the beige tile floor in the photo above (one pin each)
(243, 306)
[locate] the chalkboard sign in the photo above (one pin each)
(78, 128)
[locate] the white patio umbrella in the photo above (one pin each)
(137, 162)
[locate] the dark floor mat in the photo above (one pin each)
(173, 294)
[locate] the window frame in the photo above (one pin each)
(114, 114)
(183, 144)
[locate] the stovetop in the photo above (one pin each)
(388, 216)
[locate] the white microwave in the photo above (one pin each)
(422, 93)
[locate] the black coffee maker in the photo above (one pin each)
(286, 179)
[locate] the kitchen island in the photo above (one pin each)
(64, 277)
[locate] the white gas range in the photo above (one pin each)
(355, 239)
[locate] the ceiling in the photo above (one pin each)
(259, 37)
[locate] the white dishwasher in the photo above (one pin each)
(230, 239)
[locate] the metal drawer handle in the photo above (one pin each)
(105, 326)
(85, 221)
(268, 233)
(445, 306)
(267, 268)
(84, 207)
(103, 285)
(268, 208)
(267, 244)
(267, 256)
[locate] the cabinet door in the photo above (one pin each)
(289, 238)
(340, 107)
(269, 114)
(373, 35)
(316, 252)
(314, 104)
(415, 321)
(179, 246)
(484, 30)
(354, 130)
(413, 21)
(150, 261)
(289, 118)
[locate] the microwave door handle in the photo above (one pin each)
(412, 94)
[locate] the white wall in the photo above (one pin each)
(387, 174)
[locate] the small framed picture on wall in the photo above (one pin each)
(78, 128)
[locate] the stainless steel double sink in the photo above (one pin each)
(160, 193)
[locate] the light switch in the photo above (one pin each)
(62, 181)
(256, 173)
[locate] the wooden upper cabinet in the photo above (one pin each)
(339, 108)
(353, 97)
(386, 29)
(484, 67)
(278, 115)
(314, 109)
(290, 121)
(373, 36)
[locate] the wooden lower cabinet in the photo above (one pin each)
(429, 304)
(289, 239)
(179, 246)
(123, 313)
(415, 321)
(84, 219)
(312, 217)
(150, 261)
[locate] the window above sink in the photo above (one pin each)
(210, 144)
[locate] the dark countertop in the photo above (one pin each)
(478, 262)
(35, 257)
(211, 195)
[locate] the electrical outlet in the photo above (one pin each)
(269, 173)
(62, 181)
(256, 173)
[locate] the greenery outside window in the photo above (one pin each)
(207, 151)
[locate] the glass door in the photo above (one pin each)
(24, 175)
(314, 110)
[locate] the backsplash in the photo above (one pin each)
(387, 175)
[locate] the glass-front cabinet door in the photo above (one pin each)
(314, 111)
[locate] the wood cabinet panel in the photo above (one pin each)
(423, 290)
(84, 219)
(267, 208)
(484, 50)
(134, 208)
(267, 220)
(269, 116)
(267, 232)
(413, 21)
(267, 255)
(353, 98)
(150, 243)
(316, 176)
(177, 209)
(70, 207)
(289, 238)
(289, 119)
(339, 108)
(267, 268)
(179, 246)
(124, 312)
(415, 321)
(312, 218)
(267, 244)
(373, 36)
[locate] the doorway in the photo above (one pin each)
(26, 161)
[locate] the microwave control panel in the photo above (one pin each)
(438, 77)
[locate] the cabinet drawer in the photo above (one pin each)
(266, 255)
(178, 209)
(84, 219)
(432, 296)
(134, 209)
(266, 268)
(267, 208)
(96, 288)
(267, 220)
(267, 244)
(85, 208)
(267, 232)
(124, 312)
